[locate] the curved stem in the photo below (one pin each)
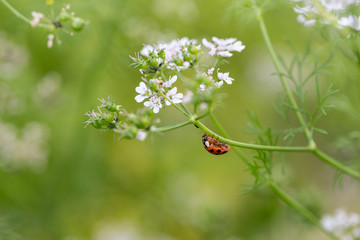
(22, 17)
(223, 132)
(172, 127)
(249, 145)
(299, 208)
(13, 10)
(282, 79)
(326, 158)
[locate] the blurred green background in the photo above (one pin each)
(59, 180)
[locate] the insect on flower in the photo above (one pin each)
(214, 146)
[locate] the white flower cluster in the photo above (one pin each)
(155, 90)
(26, 148)
(209, 80)
(223, 47)
(344, 225)
(326, 12)
(177, 55)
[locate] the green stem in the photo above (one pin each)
(13, 10)
(223, 132)
(249, 145)
(185, 108)
(282, 79)
(299, 208)
(176, 106)
(172, 127)
(326, 158)
(22, 17)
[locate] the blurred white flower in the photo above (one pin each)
(36, 18)
(223, 47)
(350, 21)
(225, 77)
(26, 148)
(141, 135)
(342, 224)
(50, 41)
(326, 12)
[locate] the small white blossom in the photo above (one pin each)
(50, 40)
(223, 47)
(174, 96)
(146, 50)
(225, 77)
(342, 224)
(144, 92)
(168, 84)
(154, 103)
(350, 21)
(141, 135)
(36, 18)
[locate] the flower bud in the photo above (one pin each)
(193, 49)
(64, 16)
(153, 62)
(77, 24)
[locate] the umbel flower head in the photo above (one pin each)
(158, 92)
(111, 116)
(223, 47)
(177, 55)
(65, 21)
(333, 12)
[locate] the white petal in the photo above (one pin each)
(156, 109)
(140, 98)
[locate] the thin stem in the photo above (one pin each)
(282, 79)
(176, 106)
(19, 15)
(13, 10)
(326, 158)
(299, 208)
(223, 132)
(185, 108)
(172, 127)
(249, 145)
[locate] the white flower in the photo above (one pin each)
(173, 96)
(154, 103)
(141, 135)
(223, 47)
(36, 18)
(146, 50)
(50, 40)
(225, 77)
(350, 21)
(144, 92)
(342, 224)
(168, 84)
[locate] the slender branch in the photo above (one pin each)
(249, 145)
(17, 14)
(282, 79)
(172, 127)
(22, 17)
(326, 158)
(299, 208)
(223, 132)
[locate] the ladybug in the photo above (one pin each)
(214, 146)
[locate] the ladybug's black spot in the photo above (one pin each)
(218, 151)
(211, 150)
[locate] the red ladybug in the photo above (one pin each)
(214, 146)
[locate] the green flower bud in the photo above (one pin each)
(132, 130)
(193, 49)
(64, 16)
(153, 62)
(77, 24)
